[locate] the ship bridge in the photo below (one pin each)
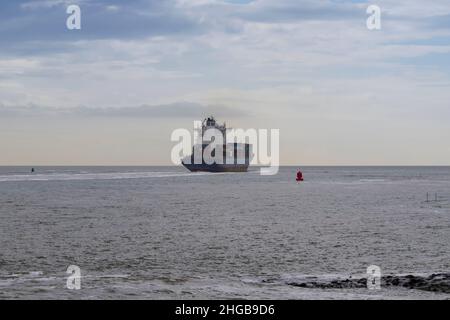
(211, 123)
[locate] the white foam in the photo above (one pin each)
(95, 176)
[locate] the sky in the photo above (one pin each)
(113, 92)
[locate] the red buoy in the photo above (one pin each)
(299, 176)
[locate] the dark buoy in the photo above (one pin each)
(299, 176)
(32, 170)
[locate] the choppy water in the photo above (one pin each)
(161, 232)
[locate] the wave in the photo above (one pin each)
(96, 176)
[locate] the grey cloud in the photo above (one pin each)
(173, 110)
(293, 11)
(21, 22)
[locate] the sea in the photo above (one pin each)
(166, 233)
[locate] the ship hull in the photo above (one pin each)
(216, 167)
(235, 157)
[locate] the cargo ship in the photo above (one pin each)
(235, 156)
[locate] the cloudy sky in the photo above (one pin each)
(112, 92)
